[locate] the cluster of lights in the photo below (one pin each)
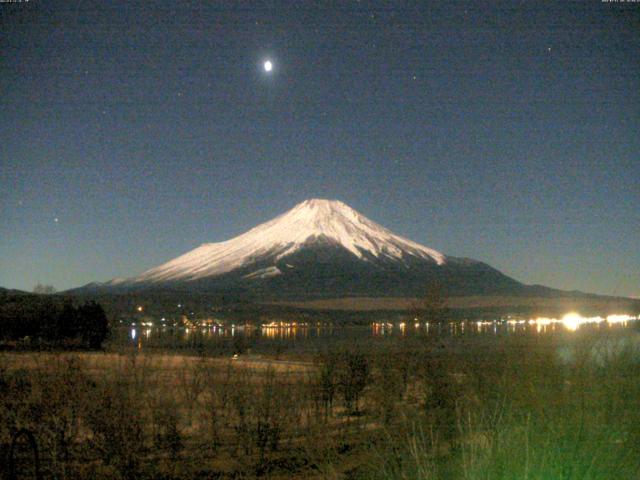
(284, 325)
(382, 328)
(571, 321)
(383, 324)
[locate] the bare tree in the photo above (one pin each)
(432, 307)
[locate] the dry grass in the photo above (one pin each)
(396, 408)
(97, 362)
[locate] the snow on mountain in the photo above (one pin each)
(263, 273)
(311, 220)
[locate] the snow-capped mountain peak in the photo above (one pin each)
(307, 222)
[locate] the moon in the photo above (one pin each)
(268, 66)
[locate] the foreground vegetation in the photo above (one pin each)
(404, 407)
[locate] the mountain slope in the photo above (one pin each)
(307, 223)
(319, 249)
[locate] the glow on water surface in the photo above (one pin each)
(293, 330)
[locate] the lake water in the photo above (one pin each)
(235, 336)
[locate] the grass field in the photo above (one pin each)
(522, 407)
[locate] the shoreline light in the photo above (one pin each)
(571, 321)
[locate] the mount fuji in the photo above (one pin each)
(319, 249)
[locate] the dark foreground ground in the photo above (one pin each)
(562, 406)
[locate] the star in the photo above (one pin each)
(268, 66)
(55, 219)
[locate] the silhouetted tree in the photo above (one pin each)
(327, 382)
(353, 379)
(93, 324)
(432, 307)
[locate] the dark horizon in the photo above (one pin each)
(131, 132)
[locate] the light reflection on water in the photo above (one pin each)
(571, 322)
(273, 331)
(292, 331)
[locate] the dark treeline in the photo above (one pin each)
(53, 321)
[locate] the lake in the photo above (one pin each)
(288, 335)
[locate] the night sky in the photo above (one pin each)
(132, 132)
